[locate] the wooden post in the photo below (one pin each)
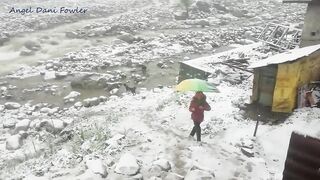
(257, 124)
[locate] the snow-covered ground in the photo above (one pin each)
(65, 114)
(154, 125)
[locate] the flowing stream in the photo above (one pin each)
(54, 43)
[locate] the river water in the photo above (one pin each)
(11, 60)
(53, 43)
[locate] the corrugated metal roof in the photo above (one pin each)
(296, 1)
(303, 156)
(291, 55)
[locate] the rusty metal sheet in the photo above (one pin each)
(303, 158)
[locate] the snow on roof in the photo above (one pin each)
(291, 55)
(202, 63)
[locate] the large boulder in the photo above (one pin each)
(180, 16)
(27, 52)
(127, 165)
(86, 81)
(61, 75)
(203, 6)
(22, 125)
(14, 142)
(9, 123)
(32, 45)
(163, 164)
(96, 166)
(53, 125)
(72, 94)
(12, 105)
(91, 102)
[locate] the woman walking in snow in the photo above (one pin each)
(197, 106)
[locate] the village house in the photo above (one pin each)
(277, 79)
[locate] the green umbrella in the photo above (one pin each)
(195, 85)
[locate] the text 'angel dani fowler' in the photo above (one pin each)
(42, 10)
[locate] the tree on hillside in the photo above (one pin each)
(186, 4)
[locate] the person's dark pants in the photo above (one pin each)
(196, 129)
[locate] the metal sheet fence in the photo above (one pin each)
(303, 158)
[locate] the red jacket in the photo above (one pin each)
(197, 114)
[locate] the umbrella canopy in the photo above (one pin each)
(195, 85)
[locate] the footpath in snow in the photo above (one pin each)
(148, 138)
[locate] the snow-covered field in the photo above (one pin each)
(65, 114)
(154, 125)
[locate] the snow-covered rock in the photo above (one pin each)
(117, 42)
(180, 16)
(44, 110)
(27, 52)
(2, 107)
(114, 91)
(12, 105)
(49, 111)
(53, 125)
(163, 164)
(207, 46)
(127, 165)
(60, 75)
(49, 74)
(32, 45)
(91, 102)
(78, 105)
(103, 98)
(96, 166)
(114, 141)
(198, 174)
(14, 142)
(155, 171)
(22, 125)
(72, 94)
(9, 123)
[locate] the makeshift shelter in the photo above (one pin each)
(278, 78)
(202, 67)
